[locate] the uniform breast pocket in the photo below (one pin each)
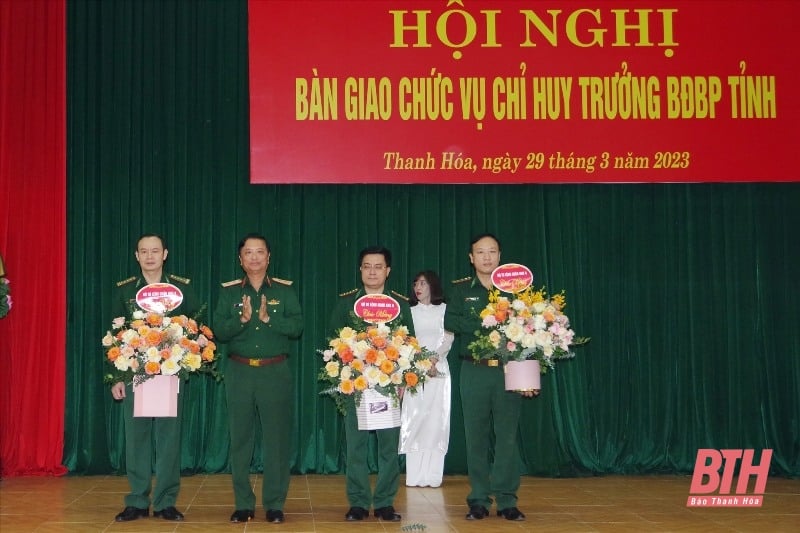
(274, 307)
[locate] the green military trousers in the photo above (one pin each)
(141, 433)
(261, 395)
(489, 408)
(359, 492)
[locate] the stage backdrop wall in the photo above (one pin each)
(689, 292)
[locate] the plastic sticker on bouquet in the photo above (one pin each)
(156, 397)
(377, 411)
(159, 298)
(512, 277)
(376, 308)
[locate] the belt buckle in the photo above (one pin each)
(492, 362)
(254, 362)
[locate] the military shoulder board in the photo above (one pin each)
(125, 281)
(401, 296)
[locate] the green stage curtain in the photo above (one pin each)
(689, 292)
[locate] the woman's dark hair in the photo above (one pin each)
(437, 294)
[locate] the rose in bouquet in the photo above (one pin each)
(151, 343)
(5, 297)
(528, 325)
(378, 357)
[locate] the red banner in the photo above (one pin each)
(467, 91)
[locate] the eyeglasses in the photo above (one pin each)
(373, 267)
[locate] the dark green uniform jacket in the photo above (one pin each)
(255, 339)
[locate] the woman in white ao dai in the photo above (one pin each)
(425, 426)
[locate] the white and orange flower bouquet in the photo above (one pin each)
(154, 344)
(379, 357)
(528, 325)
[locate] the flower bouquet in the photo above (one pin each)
(378, 358)
(5, 297)
(530, 325)
(152, 344)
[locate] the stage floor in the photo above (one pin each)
(318, 503)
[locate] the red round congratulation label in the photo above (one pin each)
(512, 277)
(159, 297)
(376, 308)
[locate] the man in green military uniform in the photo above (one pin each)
(151, 252)
(488, 408)
(375, 264)
(257, 316)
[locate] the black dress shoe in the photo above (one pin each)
(169, 513)
(242, 515)
(511, 513)
(275, 516)
(387, 513)
(132, 513)
(477, 512)
(356, 513)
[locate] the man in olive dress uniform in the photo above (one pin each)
(488, 408)
(257, 316)
(151, 252)
(375, 264)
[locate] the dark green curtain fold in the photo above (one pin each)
(689, 291)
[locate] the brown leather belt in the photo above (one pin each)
(257, 362)
(484, 362)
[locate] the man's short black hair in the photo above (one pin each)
(147, 236)
(253, 236)
(387, 255)
(480, 236)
